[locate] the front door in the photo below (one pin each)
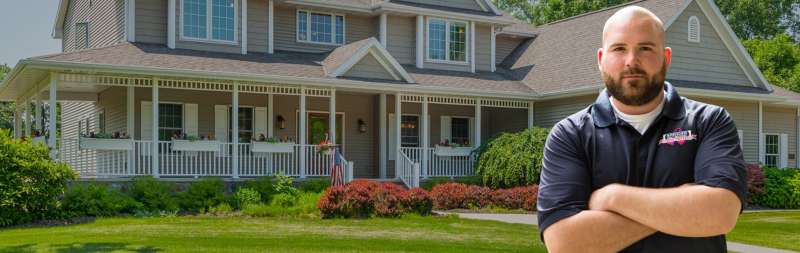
(318, 126)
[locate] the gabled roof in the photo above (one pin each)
(341, 59)
(58, 24)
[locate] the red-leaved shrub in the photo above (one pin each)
(388, 199)
(518, 197)
(448, 196)
(477, 196)
(358, 200)
(755, 181)
(331, 202)
(419, 201)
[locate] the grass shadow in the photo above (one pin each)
(24, 248)
(102, 247)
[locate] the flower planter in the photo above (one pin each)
(199, 145)
(271, 147)
(106, 144)
(40, 139)
(452, 151)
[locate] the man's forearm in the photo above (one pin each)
(594, 231)
(691, 211)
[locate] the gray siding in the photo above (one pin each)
(401, 38)
(113, 101)
(783, 121)
(502, 120)
(504, 46)
(357, 27)
(745, 116)
(548, 113)
(461, 4)
(105, 19)
(369, 67)
(151, 21)
(257, 26)
(208, 46)
(707, 61)
(483, 47)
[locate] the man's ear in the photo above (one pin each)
(599, 58)
(667, 57)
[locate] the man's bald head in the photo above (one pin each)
(634, 16)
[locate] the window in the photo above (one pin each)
(771, 150)
(694, 29)
(81, 36)
(170, 121)
(459, 131)
(409, 133)
(245, 124)
(447, 40)
(199, 20)
(320, 27)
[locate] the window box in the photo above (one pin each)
(452, 151)
(271, 147)
(106, 144)
(198, 145)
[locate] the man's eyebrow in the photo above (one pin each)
(618, 44)
(647, 43)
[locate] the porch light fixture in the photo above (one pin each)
(281, 122)
(362, 127)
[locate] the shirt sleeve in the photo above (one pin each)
(565, 182)
(719, 161)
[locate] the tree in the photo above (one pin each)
(546, 11)
(761, 19)
(6, 108)
(4, 70)
(778, 58)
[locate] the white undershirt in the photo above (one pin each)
(642, 121)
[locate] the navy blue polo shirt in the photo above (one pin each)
(689, 142)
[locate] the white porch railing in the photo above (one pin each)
(408, 170)
(172, 163)
(441, 166)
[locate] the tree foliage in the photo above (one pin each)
(779, 60)
(546, 11)
(761, 19)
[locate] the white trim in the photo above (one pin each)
(393, 7)
(58, 23)
(384, 64)
(384, 58)
(130, 20)
(333, 16)
(210, 25)
(761, 150)
(154, 129)
(270, 27)
(447, 60)
(331, 5)
(52, 95)
(420, 39)
(234, 132)
(492, 53)
(382, 28)
(764, 148)
(382, 134)
(693, 35)
(171, 23)
(244, 26)
(490, 5)
(530, 114)
(471, 46)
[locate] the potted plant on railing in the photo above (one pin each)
(186, 142)
(105, 141)
(38, 137)
(446, 148)
(270, 145)
(325, 147)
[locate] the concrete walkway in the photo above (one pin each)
(531, 219)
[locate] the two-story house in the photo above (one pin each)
(413, 85)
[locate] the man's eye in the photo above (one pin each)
(647, 49)
(618, 49)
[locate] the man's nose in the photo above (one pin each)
(632, 59)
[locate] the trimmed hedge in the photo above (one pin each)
(93, 199)
(154, 195)
(202, 195)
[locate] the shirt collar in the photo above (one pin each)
(603, 114)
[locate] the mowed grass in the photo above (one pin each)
(780, 229)
(239, 234)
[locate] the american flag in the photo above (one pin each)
(337, 169)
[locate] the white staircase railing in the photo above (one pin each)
(441, 166)
(407, 170)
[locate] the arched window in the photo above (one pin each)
(694, 29)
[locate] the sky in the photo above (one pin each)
(25, 28)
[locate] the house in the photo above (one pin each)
(400, 76)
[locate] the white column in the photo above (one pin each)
(130, 20)
(154, 128)
(382, 33)
(761, 132)
(472, 46)
(332, 117)
(302, 133)
(420, 41)
(27, 115)
(382, 136)
(38, 111)
(235, 130)
(530, 114)
(17, 122)
(270, 27)
(477, 124)
(244, 26)
(425, 136)
(270, 113)
(51, 140)
(492, 45)
(398, 117)
(170, 25)
(130, 125)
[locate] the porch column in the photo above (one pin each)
(425, 136)
(530, 114)
(27, 114)
(38, 111)
(302, 134)
(235, 130)
(154, 126)
(761, 150)
(382, 28)
(398, 117)
(170, 25)
(332, 117)
(382, 136)
(420, 41)
(51, 140)
(243, 24)
(17, 122)
(130, 126)
(477, 124)
(471, 34)
(492, 44)
(270, 124)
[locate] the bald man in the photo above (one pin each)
(642, 169)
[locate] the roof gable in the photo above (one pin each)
(344, 58)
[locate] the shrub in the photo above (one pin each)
(358, 200)
(305, 206)
(315, 185)
(246, 196)
(284, 200)
(94, 199)
(202, 195)
(477, 197)
(429, 183)
(221, 209)
(449, 196)
(30, 182)
(331, 203)
(418, 201)
(516, 198)
(755, 181)
(154, 195)
(779, 189)
(264, 187)
(512, 159)
(285, 184)
(388, 199)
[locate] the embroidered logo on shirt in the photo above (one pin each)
(679, 136)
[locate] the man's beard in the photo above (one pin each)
(639, 91)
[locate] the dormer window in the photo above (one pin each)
(447, 41)
(318, 27)
(211, 20)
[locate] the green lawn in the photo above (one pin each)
(779, 230)
(236, 234)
